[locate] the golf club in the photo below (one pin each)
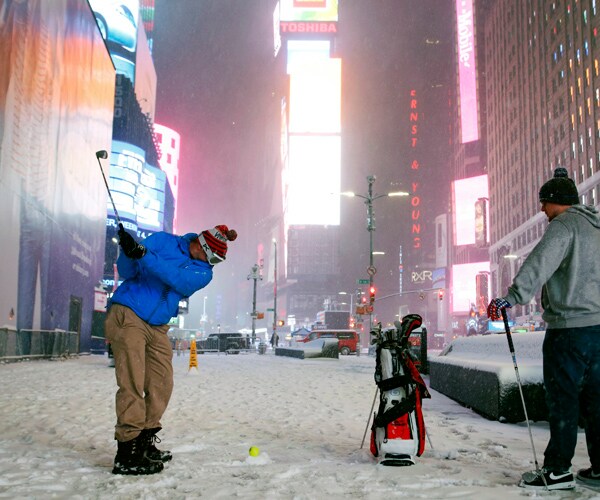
(104, 155)
(511, 348)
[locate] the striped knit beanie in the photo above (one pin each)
(214, 242)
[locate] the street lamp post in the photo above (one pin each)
(203, 318)
(254, 275)
(369, 199)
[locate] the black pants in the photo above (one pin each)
(572, 382)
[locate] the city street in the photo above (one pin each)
(306, 416)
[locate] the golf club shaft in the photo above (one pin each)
(109, 194)
(511, 347)
(369, 419)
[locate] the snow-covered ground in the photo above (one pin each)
(306, 416)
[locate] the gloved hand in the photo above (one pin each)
(130, 247)
(493, 309)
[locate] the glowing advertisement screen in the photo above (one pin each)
(309, 10)
(464, 285)
(316, 103)
(276, 31)
(118, 24)
(467, 72)
(170, 144)
(302, 52)
(465, 194)
(138, 190)
(57, 86)
(314, 154)
(314, 180)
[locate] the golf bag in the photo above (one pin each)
(398, 430)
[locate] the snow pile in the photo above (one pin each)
(491, 353)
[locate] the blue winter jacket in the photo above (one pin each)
(156, 283)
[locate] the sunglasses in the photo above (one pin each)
(211, 258)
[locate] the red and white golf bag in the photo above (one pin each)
(398, 430)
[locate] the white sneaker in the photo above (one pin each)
(545, 479)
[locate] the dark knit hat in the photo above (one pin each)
(560, 189)
(214, 242)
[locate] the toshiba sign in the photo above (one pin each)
(308, 27)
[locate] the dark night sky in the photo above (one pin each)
(214, 64)
(216, 79)
(211, 59)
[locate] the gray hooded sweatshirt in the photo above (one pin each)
(565, 264)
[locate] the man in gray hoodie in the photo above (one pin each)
(565, 264)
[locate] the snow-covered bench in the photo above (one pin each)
(319, 348)
(478, 372)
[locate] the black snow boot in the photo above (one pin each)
(152, 452)
(131, 460)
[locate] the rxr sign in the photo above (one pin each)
(420, 277)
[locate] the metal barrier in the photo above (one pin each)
(18, 344)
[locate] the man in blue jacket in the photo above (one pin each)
(565, 265)
(158, 272)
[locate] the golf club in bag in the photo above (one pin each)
(511, 348)
(398, 430)
(104, 155)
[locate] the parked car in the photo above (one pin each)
(231, 343)
(347, 339)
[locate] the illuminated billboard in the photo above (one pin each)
(314, 180)
(482, 228)
(465, 195)
(145, 77)
(170, 145)
(303, 52)
(57, 87)
(464, 285)
(314, 155)
(138, 190)
(276, 31)
(308, 17)
(150, 201)
(467, 71)
(309, 10)
(316, 104)
(118, 24)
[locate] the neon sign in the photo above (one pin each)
(415, 200)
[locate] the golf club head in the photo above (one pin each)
(102, 154)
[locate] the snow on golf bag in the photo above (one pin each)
(398, 430)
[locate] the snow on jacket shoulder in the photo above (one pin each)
(565, 265)
(156, 283)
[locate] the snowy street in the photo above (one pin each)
(306, 416)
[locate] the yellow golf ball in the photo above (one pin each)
(254, 451)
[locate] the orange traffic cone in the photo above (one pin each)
(193, 356)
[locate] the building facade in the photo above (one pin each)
(542, 111)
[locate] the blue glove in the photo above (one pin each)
(494, 307)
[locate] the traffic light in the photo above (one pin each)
(441, 294)
(372, 295)
(280, 322)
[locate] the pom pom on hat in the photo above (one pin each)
(560, 189)
(214, 242)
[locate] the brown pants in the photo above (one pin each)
(144, 370)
